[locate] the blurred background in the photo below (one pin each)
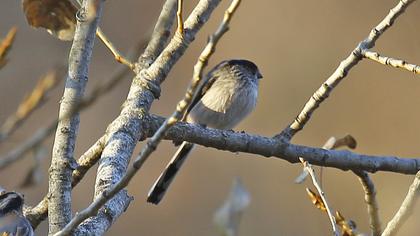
(297, 45)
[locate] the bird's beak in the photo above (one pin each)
(259, 75)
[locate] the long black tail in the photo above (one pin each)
(161, 185)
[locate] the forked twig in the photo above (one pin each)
(342, 70)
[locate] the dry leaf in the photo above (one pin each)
(6, 44)
(316, 200)
(58, 17)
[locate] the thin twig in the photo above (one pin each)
(397, 63)
(117, 55)
(311, 172)
(6, 44)
(62, 162)
(180, 20)
(31, 102)
(342, 70)
(370, 199)
(157, 137)
(405, 210)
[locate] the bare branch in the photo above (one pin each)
(370, 199)
(31, 102)
(397, 63)
(43, 133)
(159, 37)
(157, 137)
(405, 210)
(63, 163)
(39, 213)
(180, 20)
(29, 144)
(272, 147)
(311, 172)
(342, 70)
(6, 44)
(117, 55)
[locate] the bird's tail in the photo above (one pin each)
(159, 188)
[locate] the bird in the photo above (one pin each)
(12, 221)
(227, 95)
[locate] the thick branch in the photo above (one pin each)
(406, 208)
(272, 147)
(62, 163)
(342, 70)
(157, 137)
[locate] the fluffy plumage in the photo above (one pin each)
(228, 94)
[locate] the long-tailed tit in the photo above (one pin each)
(12, 221)
(228, 94)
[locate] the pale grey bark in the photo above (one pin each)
(63, 163)
(342, 70)
(274, 147)
(125, 131)
(370, 200)
(406, 208)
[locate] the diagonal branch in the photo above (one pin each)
(31, 102)
(342, 70)
(406, 208)
(328, 209)
(6, 44)
(397, 63)
(39, 213)
(63, 163)
(157, 137)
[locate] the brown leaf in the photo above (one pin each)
(316, 200)
(348, 228)
(58, 17)
(6, 44)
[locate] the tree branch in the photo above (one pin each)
(328, 209)
(273, 147)
(370, 199)
(63, 163)
(157, 137)
(397, 63)
(342, 70)
(406, 208)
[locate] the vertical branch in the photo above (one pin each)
(370, 199)
(406, 208)
(63, 163)
(157, 137)
(179, 18)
